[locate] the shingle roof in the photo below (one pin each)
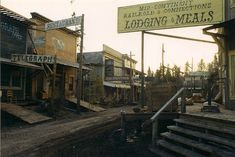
(14, 15)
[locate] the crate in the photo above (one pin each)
(158, 94)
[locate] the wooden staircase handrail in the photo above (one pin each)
(155, 116)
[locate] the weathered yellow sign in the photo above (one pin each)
(169, 14)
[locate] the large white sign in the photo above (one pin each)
(169, 14)
(63, 23)
(32, 58)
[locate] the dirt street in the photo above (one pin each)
(34, 140)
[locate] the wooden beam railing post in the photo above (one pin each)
(154, 132)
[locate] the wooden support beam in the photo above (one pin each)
(179, 37)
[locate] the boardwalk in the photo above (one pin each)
(28, 116)
(223, 115)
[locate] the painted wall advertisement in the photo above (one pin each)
(169, 14)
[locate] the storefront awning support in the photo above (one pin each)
(224, 49)
(79, 76)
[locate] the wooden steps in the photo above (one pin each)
(194, 145)
(202, 136)
(194, 136)
(160, 152)
(179, 150)
(207, 127)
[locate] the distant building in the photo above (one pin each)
(117, 72)
(196, 80)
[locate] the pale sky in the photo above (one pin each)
(101, 28)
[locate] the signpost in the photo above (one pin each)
(169, 14)
(79, 20)
(63, 23)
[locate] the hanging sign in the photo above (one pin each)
(32, 58)
(63, 23)
(170, 14)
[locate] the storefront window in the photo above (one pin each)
(16, 78)
(232, 75)
(5, 78)
(11, 78)
(71, 80)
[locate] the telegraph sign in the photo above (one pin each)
(32, 58)
(63, 23)
(169, 14)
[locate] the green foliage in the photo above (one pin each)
(170, 74)
(213, 67)
(186, 68)
(201, 65)
(150, 72)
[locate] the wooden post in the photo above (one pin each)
(142, 69)
(131, 79)
(63, 87)
(183, 101)
(123, 125)
(226, 68)
(79, 76)
(52, 108)
(163, 66)
(154, 132)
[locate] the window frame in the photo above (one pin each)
(11, 80)
(71, 83)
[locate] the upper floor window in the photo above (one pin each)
(109, 67)
(71, 83)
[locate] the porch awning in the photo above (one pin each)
(20, 64)
(70, 64)
(116, 85)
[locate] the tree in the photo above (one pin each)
(201, 65)
(157, 75)
(214, 65)
(186, 68)
(149, 72)
(175, 73)
(168, 73)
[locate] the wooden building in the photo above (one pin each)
(225, 39)
(114, 71)
(62, 44)
(15, 76)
